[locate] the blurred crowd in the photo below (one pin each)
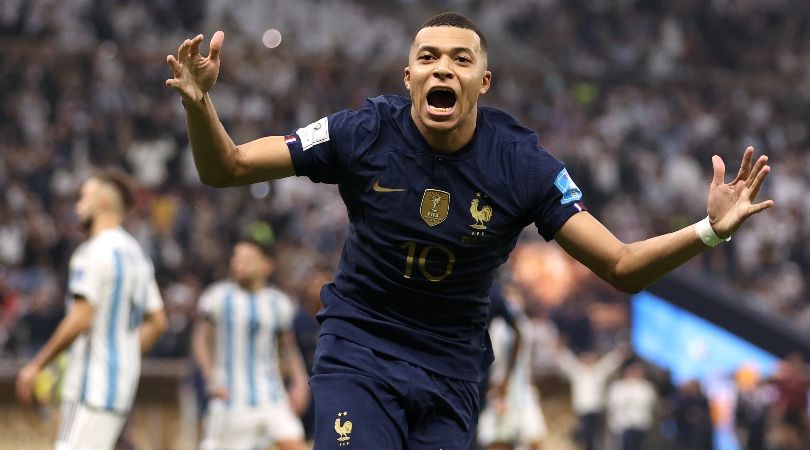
(634, 96)
(619, 399)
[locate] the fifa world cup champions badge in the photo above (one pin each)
(435, 206)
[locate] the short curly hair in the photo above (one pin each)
(454, 19)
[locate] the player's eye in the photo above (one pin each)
(463, 59)
(426, 57)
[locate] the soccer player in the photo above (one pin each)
(513, 418)
(437, 190)
(114, 314)
(249, 324)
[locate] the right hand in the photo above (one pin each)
(194, 75)
(25, 383)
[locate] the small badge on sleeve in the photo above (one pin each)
(77, 274)
(76, 278)
(314, 133)
(570, 191)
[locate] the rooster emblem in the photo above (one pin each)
(480, 215)
(343, 430)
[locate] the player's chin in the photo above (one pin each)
(445, 119)
(441, 127)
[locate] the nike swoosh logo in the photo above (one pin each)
(378, 188)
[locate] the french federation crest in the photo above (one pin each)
(435, 206)
(481, 215)
(344, 430)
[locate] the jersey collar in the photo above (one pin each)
(418, 141)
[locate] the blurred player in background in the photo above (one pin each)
(513, 417)
(503, 311)
(307, 328)
(437, 191)
(115, 313)
(248, 324)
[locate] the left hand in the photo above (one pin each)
(25, 383)
(730, 204)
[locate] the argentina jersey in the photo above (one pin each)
(428, 230)
(247, 326)
(111, 272)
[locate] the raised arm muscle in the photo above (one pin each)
(221, 163)
(627, 267)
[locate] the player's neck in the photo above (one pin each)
(252, 285)
(104, 222)
(450, 141)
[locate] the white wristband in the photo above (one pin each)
(706, 233)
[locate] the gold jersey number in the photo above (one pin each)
(422, 260)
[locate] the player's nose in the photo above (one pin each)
(442, 73)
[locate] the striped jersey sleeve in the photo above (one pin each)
(92, 272)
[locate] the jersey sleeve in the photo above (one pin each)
(556, 196)
(286, 312)
(154, 302)
(324, 150)
(92, 272)
(206, 306)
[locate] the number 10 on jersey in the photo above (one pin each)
(411, 247)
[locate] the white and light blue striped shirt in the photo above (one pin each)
(112, 273)
(520, 390)
(247, 324)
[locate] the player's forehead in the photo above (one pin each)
(247, 249)
(446, 38)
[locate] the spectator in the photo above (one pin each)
(754, 400)
(588, 375)
(693, 418)
(792, 383)
(631, 402)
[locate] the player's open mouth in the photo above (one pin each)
(441, 101)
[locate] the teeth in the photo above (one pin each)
(443, 110)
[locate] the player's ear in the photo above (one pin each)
(486, 81)
(407, 78)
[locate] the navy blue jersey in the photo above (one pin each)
(427, 230)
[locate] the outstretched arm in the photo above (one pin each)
(219, 161)
(631, 267)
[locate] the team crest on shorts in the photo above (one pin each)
(435, 206)
(343, 429)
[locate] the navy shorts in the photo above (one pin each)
(365, 400)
